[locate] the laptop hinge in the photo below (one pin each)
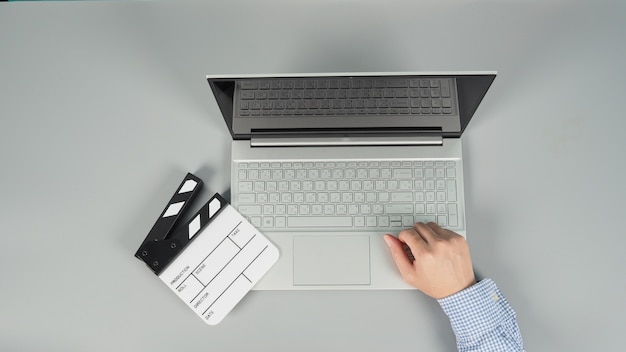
(346, 141)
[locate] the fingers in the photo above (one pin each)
(432, 231)
(413, 239)
(422, 231)
(439, 231)
(402, 260)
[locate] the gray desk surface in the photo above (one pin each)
(104, 106)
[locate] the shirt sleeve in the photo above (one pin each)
(482, 319)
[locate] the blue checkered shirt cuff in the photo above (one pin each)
(482, 319)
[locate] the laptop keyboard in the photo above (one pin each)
(386, 195)
(344, 96)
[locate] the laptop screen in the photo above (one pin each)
(355, 104)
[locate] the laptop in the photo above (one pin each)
(326, 164)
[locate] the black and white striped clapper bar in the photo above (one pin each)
(213, 260)
(162, 245)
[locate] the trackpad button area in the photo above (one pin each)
(331, 260)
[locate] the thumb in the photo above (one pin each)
(402, 260)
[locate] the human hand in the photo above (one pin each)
(442, 264)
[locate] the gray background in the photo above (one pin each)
(104, 106)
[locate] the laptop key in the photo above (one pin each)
(400, 103)
(425, 218)
(397, 83)
(451, 189)
(445, 88)
(247, 198)
(453, 219)
(402, 173)
(249, 85)
(319, 221)
(245, 186)
(401, 196)
(250, 209)
(399, 208)
(247, 95)
(256, 221)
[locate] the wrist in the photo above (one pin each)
(469, 284)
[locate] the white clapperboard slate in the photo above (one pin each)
(213, 260)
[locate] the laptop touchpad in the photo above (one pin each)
(331, 260)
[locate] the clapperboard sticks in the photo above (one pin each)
(162, 244)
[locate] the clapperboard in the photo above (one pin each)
(213, 260)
